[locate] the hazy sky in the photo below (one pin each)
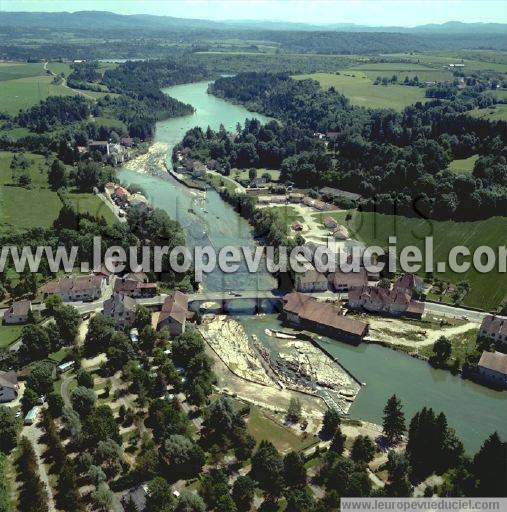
(366, 12)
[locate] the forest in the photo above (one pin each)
(398, 161)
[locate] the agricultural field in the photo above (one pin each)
(497, 112)
(401, 70)
(37, 206)
(487, 290)
(24, 85)
(360, 90)
(473, 61)
(463, 165)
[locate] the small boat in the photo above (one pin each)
(284, 336)
(269, 332)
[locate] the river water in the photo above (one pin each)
(473, 410)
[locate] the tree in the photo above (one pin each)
(142, 318)
(160, 497)
(214, 486)
(183, 456)
(40, 378)
(363, 450)
(190, 502)
(489, 467)
(8, 429)
(294, 410)
(52, 303)
(267, 468)
(100, 425)
(33, 495)
(338, 442)
(103, 497)
(29, 400)
(85, 379)
(243, 493)
(96, 475)
(83, 400)
(394, 420)
(57, 177)
(300, 500)
(330, 424)
(100, 331)
(398, 469)
(442, 349)
(35, 341)
(384, 283)
(67, 320)
(68, 490)
(109, 455)
(294, 470)
(55, 404)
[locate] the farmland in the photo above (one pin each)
(359, 88)
(495, 113)
(486, 290)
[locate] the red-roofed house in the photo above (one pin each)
(174, 313)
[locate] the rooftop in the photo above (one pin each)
(495, 361)
(175, 306)
(495, 325)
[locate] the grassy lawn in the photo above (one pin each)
(23, 93)
(242, 174)
(487, 290)
(464, 165)
(90, 203)
(9, 334)
(261, 426)
(12, 71)
(60, 355)
(495, 113)
(360, 90)
(60, 67)
(462, 345)
(221, 181)
(37, 206)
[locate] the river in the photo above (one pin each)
(473, 410)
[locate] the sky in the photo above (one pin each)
(364, 12)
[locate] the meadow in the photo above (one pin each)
(355, 85)
(487, 290)
(463, 165)
(497, 112)
(37, 206)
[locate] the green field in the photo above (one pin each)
(401, 70)
(11, 71)
(60, 67)
(495, 113)
(463, 165)
(356, 86)
(37, 206)
(9, 334)
(487, 290)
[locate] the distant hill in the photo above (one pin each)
(110, 20)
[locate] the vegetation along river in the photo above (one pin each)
(475, 411)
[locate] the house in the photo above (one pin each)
(492, 368)
(311, 281)
(137, 496)
(341, 282)
(258, 183)
(331, 135)
(307, 312)
(337, 193)
(128, 142)
(102, 146)
(409, 282)
(76, 288)
(387, 302)
(121, 308)
(495, 328)
(174, 313)
(135, 288)
(8, 386)
(140, 277)
(18, 312)
(330, 223)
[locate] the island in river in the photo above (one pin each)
(473, 410)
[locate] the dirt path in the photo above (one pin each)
(33, 433)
